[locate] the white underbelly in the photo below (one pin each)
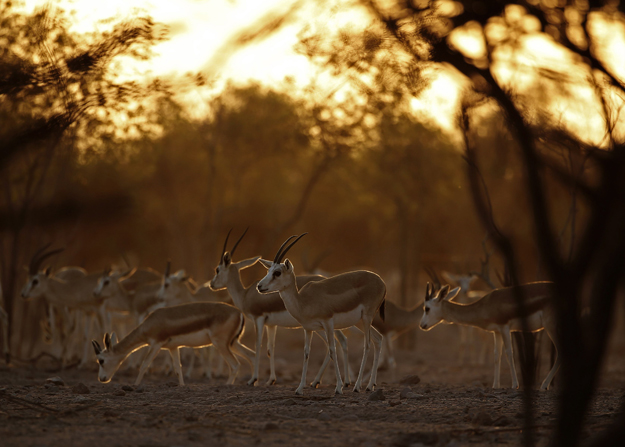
(282, 319)
(191, 340)
(348, 319)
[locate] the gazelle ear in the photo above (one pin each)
(442, 294)
(452, 294)
(96, 347)
(428, 292)
(107, 341)
(227, 259)
(288, 264)
(113, 339)
(265, 263)
(46, 271)
(247, 263)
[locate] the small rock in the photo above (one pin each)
(127, 388)
(80, 388)
(412, 379)
(119, 393)
(110, 414)
(394, 403)
(482, 418)
(139, 389)
(377, 395)
(350, 417)
(81, 399)
(502, 421)
(171, 384)
(403, 394)
(57, 381)
(324, 417)
(270, 426)
(289, 402)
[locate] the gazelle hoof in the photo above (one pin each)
(270, 382)
(299, 392)
(315, 385)
(338, 391)
(252, 381)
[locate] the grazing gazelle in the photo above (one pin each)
(191, 325)
(338, 302)
(265, 310)
(497, 312)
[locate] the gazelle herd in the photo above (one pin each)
(169, 311)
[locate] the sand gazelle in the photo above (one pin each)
(498, 312)
(192, 325)
(337, 302)
(76, 294)
(265, 310)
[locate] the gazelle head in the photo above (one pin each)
(227, 267)
(107, 360)
(432, 306)
(462, 281)
(279, 274)
(172, 284)
(108, 281)
(37, 282)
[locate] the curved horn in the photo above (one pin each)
(235, 245)
(290, 245)
(168, 268)
(223, 252)
(275, 260)
(35, 266)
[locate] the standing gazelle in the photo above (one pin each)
(497, 312)
(265, 310)
(337, 302)
(191, 325)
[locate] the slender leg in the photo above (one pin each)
(231, 360)
(175, 359)
(377, 342)
(191, 363)
(307, 340)
(87, 352)
(153, 351)
(507, 341)
(498, 346)
(388, 341)
(328, 326)
(271, 346)
(551, 332)
(326, 361)
(367, 331)
(259, 324)
(342, 339)
(244, 352)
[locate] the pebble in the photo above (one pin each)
(127, 388)
(270, 426)
(394, 403)
(119, 393)
(324, 417)
(377, 395)
(139, 389)
(80, 388)
(412, 379)
(350, 417)
(482, 418)
(403, 394)
(55, 381)
(289, 402)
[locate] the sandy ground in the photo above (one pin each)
(452, 405)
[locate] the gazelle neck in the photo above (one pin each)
(290, 295)
(129, 344)
(459, 314)
(236, 289)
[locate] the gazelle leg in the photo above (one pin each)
(175, 359)
(191, 363)
(244, 352)
(259, 324)
(326, 361)
(153, 351)
(556, 364)
(388, 341)
(377, 347)
(367, 345)
(271, 347)
(507, 341)
(307, 340)
(342, 339)
(233, 364)
(497, 356)
(328, 326)
(87, 351)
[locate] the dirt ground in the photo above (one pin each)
(452, 405)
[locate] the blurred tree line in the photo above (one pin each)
(107, 168)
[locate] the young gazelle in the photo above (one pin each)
(338, 302)
(265, 310)
(497, 312)
(192, 325)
